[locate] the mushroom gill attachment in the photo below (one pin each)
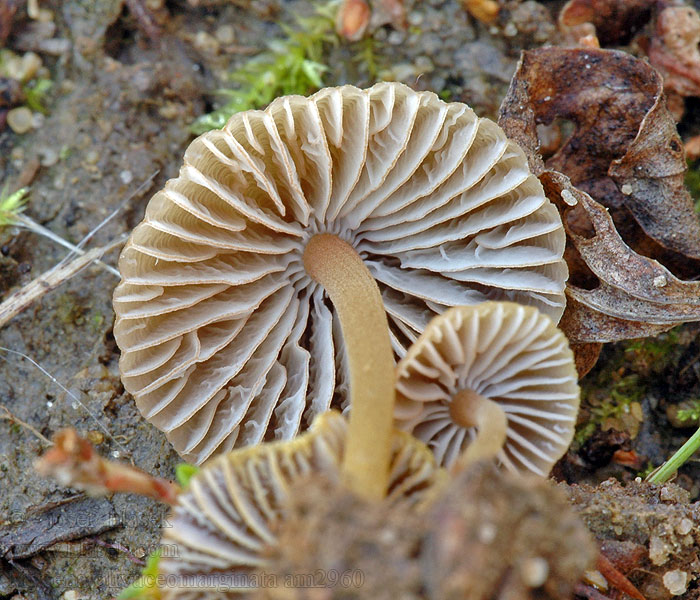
(496, 379)
(221, 526)
(228, 340)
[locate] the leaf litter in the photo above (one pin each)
(618, 183)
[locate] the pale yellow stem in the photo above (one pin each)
(335, 264)
(470, 409)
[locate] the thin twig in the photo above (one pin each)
(143, 186)
(16, 302)
(8, 416)
(32, 225)
(66, 391)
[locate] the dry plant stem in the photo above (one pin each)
(8, 416)
(35, 289)
(470, 409)
(74, 462)
(32, 225)
(336, 265)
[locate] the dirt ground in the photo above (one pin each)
(118, 117)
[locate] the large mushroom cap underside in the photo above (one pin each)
(507, 353)
(221, 526)
(227, 341)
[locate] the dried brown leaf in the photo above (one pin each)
(625, 154)
(586, 355)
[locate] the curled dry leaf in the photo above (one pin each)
(623, 155)
(670, 36)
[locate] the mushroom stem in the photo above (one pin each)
(335, 264)
(470, 409)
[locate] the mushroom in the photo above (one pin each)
(226, 335)
(224, 523)
(221, 526)
(496, 379)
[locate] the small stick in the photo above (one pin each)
(74, 462)
(10, 417)
(16, 302)
(617, 579)
(32, 225)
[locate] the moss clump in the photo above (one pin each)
(291, 65)
(692, 182)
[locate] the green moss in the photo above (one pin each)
(291, 65)
(655, 354)
(617, 407)
(36, 92)
(691, 413)
(97, 319)
(692, 182)
(11, 205)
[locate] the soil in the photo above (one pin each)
(125, 92)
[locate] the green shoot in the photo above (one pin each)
(185, 472)
(691, 413)
(144, 588)
(11, 206)
(35, 93)
(680, 457)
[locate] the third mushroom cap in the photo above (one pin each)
(223, 321)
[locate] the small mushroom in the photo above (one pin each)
(226, 335)
(221, 526)
(496, 379)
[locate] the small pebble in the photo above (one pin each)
(95, 437)
(225, 34)
(92, 157)
(126, 176)
(510, 30)
(676, 582)
(685, 526)
(49, 156)
(205, 42)
(20, 119)
(415, 18)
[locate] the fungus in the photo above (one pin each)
(226, 335)
(497, 379)
(225, 522)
